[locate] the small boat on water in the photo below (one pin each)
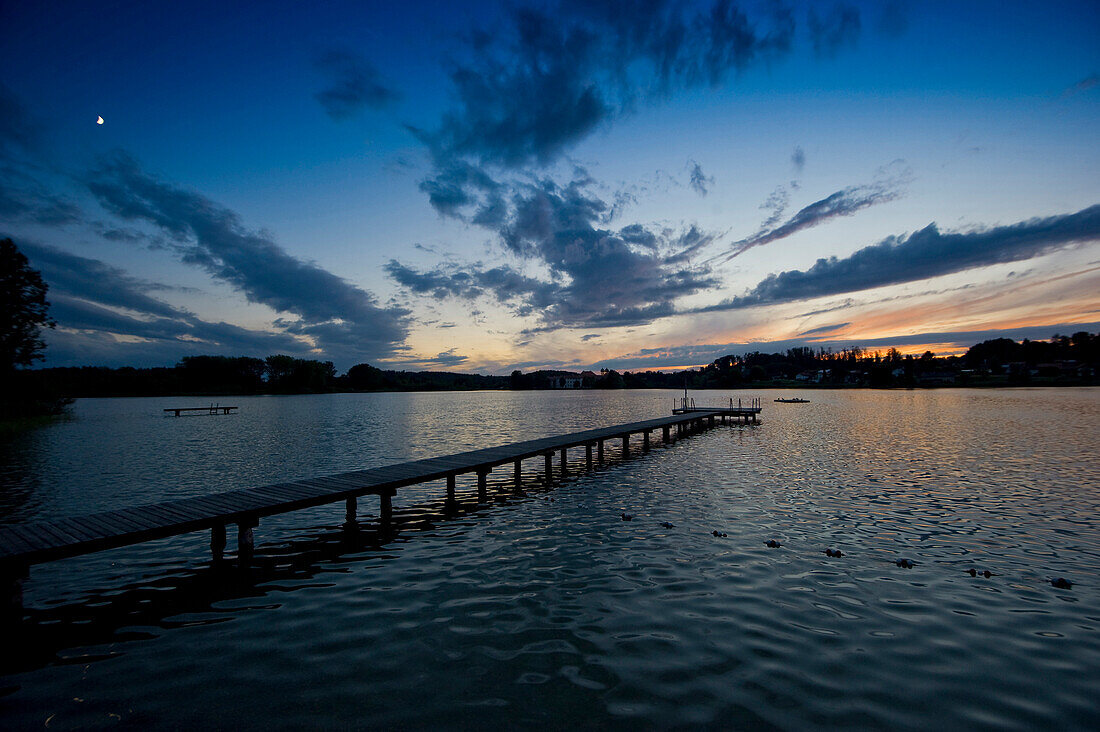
(796, 400)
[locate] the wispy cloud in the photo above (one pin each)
(842, 203)
(353, 84)
(342, 319)
(1089, 82)
(798, 159)
(107, 316)
(824, 329)
(699, 180)
(923, 254)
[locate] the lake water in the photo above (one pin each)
(545, 608)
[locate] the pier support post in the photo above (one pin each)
(245, 539)
(351, 508)
(588, 456)
(217, 541)
(665, 434)
(564, 463)
(626, 446)
(451, 489)
(482, 491)
(645, 441)
(385, 507)
(11, 582)
(517, 474)
(549, 459)
(599, 451)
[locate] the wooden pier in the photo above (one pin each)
(738, 414)
(212, 409)
(27, 544)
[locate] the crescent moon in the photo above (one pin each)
(99, 120)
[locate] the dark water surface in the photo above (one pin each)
(545, 608)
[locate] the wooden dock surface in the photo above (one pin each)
(212, 409)
(26, 544)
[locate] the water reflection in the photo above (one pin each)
(556, 612)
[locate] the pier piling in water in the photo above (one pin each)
(217, 541)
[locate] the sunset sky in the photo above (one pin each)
(491, 186)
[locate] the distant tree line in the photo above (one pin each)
(224, 375)
(1064, 360)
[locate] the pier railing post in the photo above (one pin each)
(517, 474)
(564, 462)
(626, 445)
(217, 541)
(599, 451)
(451, 489)
(351, 508)
(645, 440)
(665, 434)
(549, 459)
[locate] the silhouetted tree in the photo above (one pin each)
(23, 309)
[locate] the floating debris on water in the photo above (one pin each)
(906, 563)
(718, 533)
(980, 573)
(834, 553)
(667, 525)
(626, 516)
(1062, 583)
(772, 544)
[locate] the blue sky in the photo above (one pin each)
(483, 187)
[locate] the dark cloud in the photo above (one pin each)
(699, 180)
(503, 283)
(590, 336)
(96, 281)
(598, 276)
(343, 320)
(923, 254)
(446, 359)
(834, 30)
(609, 280)
(527, 94)
(842, 203)
(798, 159)
(824, 329)
(354, 84)
(460, 185)
(95, 303)
(24, 199)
